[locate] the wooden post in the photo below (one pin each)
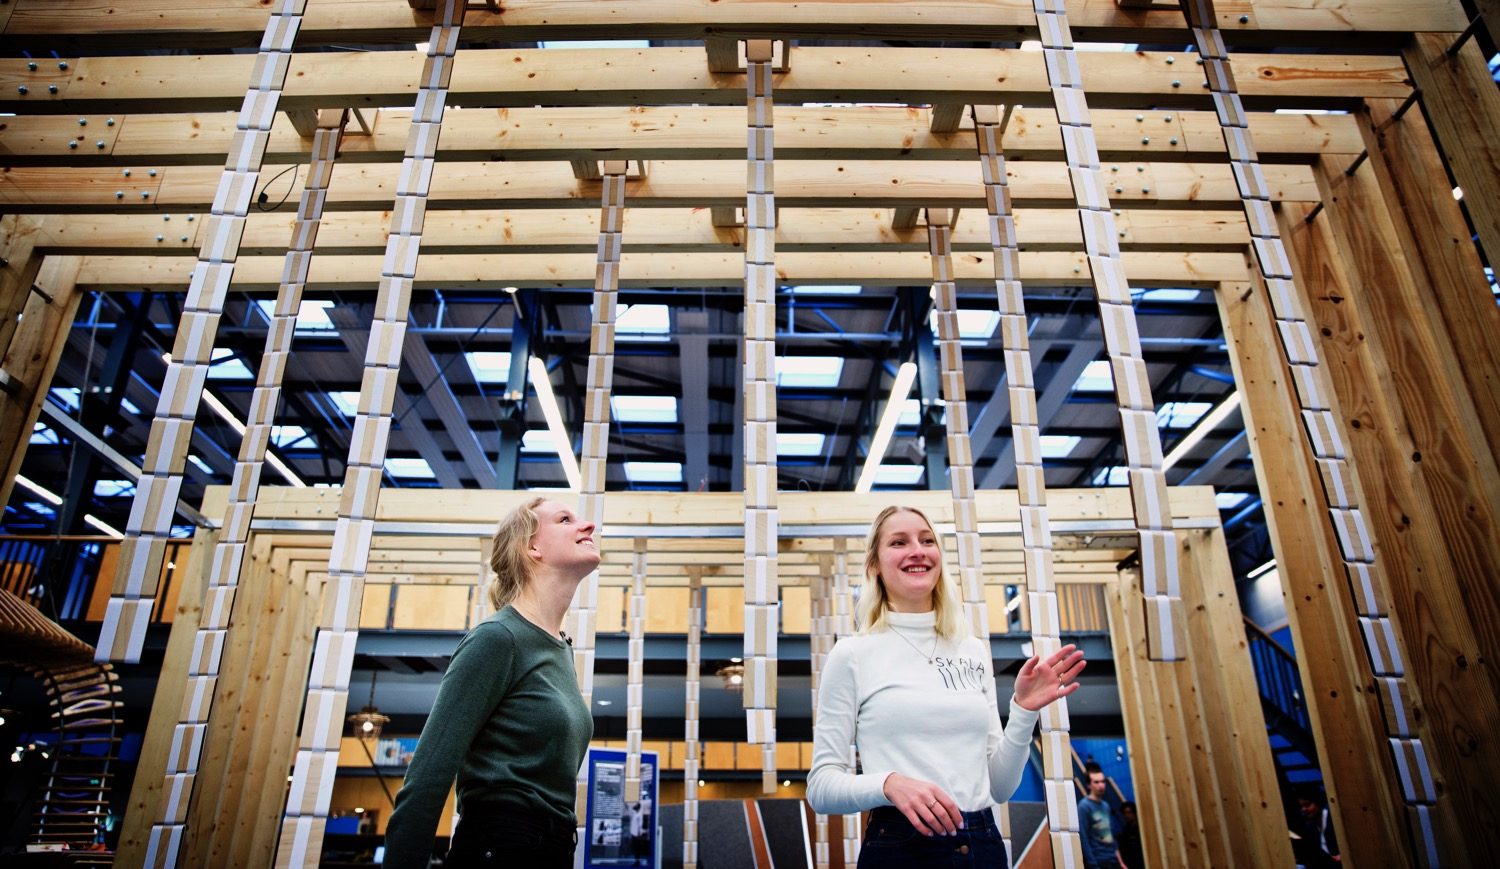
(31, 358)
(1438, 535)
(19, 264)
(1248, 797)
(1345, 711)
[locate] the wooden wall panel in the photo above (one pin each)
(431, 608)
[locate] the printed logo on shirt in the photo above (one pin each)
(961, 674)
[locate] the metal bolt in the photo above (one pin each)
(1140, 118)
(119, 194)
(151, 172)
(190, 218)
(21, 89)
(110, 122)
(1140, 168)
(1119, 190)
(166, 217)
(83, 122)
(1076, 270)
(99, 144)
(1145, 140)
(145, 194)
(1244, 19)
(1170, 60)
(1176, 83)
(72, 143)
(1122, 233)
(184, 238)
(126, 173)
(1145, 189)
(159, 238)
(1199, 61)
(31, 66)
(1114, 168)
(51, 88)
(1174, 140)
(1167, 119)
(62, 64)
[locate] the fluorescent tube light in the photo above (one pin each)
(541, 381)
(905, 376)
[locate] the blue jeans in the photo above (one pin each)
(891, 841)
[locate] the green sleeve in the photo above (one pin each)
(477, 680)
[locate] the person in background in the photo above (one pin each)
(1129, 839)
(1096, 822)
(508, 721)
(1318, 847)
(915, 689)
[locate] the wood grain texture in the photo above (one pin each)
(33, 352)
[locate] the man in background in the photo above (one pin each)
(1096, 824)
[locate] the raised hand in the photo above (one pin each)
(1042, 681)
(930, 810)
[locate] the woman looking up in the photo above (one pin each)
(508, 721)
(914, 690)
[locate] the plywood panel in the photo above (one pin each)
(431, 608)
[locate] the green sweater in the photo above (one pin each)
(508, 721)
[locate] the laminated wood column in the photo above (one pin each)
(1326, 436)
(759, 383)
(583, 610)
(31, 358)
(843, 626)
(302, 826)
(1357, 766)
(692, 756)
(634, 660)
(1122, 340)
(150, 522)
(1246, 795)
(820, 643)
(163, 849)
(1031, 484)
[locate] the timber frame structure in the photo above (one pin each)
(1355, 311)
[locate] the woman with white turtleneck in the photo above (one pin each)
(915, 691)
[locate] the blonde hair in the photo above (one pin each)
(510, 563)
(873, 605)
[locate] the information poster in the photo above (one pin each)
(620, 833)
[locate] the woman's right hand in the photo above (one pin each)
(925, 805)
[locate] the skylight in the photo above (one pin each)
(346, 402)
(538, 440)
(653, 472)
(831, 290)
(974, 325)
(40, 509)
(817, 372)
(644, 408)
(1095, 378)
(129, 406)
(1058, 446)
(312, 314)
(1169, 294)
(200, 464)
(227, 366)
(911, 414)
(799, 444)
(899, 475)
(567, 44)
(1181, 414)
(67, 396)
(113, 488)
(643, 322)
(490, 366)
(412, 469)
(42, 434)
(1115, 476)
(294, 436)
(1230, 500)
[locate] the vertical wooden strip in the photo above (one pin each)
(301, 833)
(842, 625)
(692, 757)
(1143, 454)
(634, 664)
(150, 522)
(164, 847)
(820, 643)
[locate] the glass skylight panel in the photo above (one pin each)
(831, 290)
(817, 372)
(911, 413)
(643, 322)
(291, 436)
(1181, 414)
(1169, 294)
(567, 44)
(1058, 446)
(312, 314)
(489, 366)
(113, 488)
(412, 469)
(644, 408)
(799, 444)
(67, 396)
(974, 326)
(129, 406)
(346, 402)
(200, 464)
(653, 472)
(1230, 500)
(538, 440)
(41, 433)
(1115, 476)
(40, 509)
(899, 475)
(1095, 378)
(227, 366)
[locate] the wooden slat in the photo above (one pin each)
(1352, 751)
(33, 353)
(17, 272)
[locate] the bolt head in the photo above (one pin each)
(99, 144)
(166, 217)
(83, 122)
(184, 238)
(31, 66)
(1174, 140)
(160, 238)
(1170, 60)
(22, 89)
(1119, 189)
(62, 64)
(72, 143)
(126, 173)
(1145, 189)
(1145, 140)
(190, 218)
(119, 194)
(1176, 83)
(1244, 19)
(51, 88)
(110, 122)
(145, 194)
(151, 172)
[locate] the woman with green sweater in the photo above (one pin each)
(508, 721)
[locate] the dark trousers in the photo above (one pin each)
(891, 841)
(505, 836)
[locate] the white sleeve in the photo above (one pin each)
(833, 788)
(1008, 750)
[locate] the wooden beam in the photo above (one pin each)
(661, 133)
(19, 264)
(169, 22)
(458, 271)
(29, 362)
(1460, 100)
(659, 230)
(1415, 181)
(692, 184)
(1346, 717)
(678, 75)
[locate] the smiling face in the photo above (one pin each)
(909, 562)
(562, 541)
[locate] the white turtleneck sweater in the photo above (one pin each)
(936, 722)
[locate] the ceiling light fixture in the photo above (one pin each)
(541, 381)
(228, 416)
(905, 376)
